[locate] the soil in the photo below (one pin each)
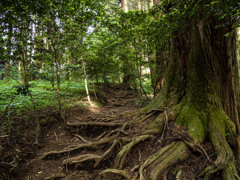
(19, 154)
(20, 158)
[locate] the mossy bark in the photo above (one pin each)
(200, 90)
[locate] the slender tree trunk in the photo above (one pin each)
(139, 71)
(94, 89)
(84, 71)
(23, 64)
(24, 67)
(150, 69)
(52, 75)
(37, 63)
(139, 5)
(85, 80)
(19, 69)
(124, 5)
(149, 4)
(56, 51)
(37, 129)
(7, 64)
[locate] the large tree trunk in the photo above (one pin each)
(201, 87)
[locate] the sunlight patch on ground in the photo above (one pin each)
(94, 109)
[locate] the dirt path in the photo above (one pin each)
(106, 141)
(83, 127)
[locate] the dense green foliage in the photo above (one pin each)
(116, 46)
(44, 95)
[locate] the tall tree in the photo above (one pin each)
(202, 82)
(9, 45)
(139, 5)
(149, 4)
(124, 4)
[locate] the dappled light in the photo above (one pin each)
(119, 89)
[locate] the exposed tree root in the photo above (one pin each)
(93, 124)
(121, 157)
(230, 172)
(162, 125)
(153, 158)
(225, 158)
(80, 137)
(192, 144)
(86, 157)
(75, 147)
(58, 175)
(116, 171)
(165, 158)
(178, 153)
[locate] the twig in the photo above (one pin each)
(139, 155)
(116, 171)
(56, 136)
(189, 141)
(7, 107)
(101, 135)
(93, 124)
(11, 100)
(164, 126)
(135, 168)
(67, 163)
(110, 162)
(4, 136)
(80, 137)
(200, 148)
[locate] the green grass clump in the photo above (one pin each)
(43, 95)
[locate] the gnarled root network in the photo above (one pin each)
(79, 146)
(86, 157)
(116, 171)
(225, 159)
(163, 159)
(121, 157)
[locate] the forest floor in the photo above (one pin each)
(21, 156)
(22, 159)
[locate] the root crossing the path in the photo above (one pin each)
(115, 143)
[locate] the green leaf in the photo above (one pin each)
(13, 22)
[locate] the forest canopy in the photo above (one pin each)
(179, 58)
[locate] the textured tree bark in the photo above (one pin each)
(201, 86)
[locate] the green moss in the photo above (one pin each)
(158, 101)
(218, 119)
(193, 117)
(157, 123)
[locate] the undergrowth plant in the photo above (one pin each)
(43, 96)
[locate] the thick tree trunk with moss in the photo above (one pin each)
(201, 87)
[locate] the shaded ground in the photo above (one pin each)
(117, 99)
(18, 158)
(23, 158)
